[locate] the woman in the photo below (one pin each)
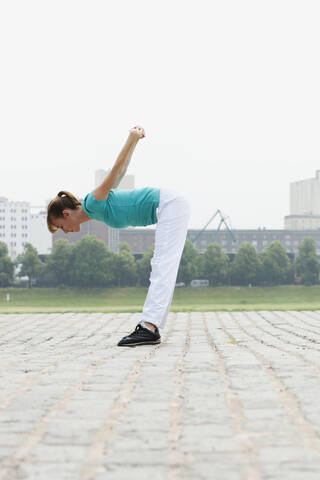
(139, 207)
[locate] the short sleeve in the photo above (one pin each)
(93, 208)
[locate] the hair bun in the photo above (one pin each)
(62, 194)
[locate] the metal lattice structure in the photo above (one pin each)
(223, 221)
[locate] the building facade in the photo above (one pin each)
(260, 239)
(140, 239)
(14, 225)
(18, 226)
(304, 204)
(40, 237)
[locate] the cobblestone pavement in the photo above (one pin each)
(225, 396)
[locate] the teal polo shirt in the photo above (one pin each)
(124, 208)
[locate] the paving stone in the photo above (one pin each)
(225, 395)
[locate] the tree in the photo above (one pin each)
(58, 268)
(246, 266)
(125, 267)
(215, 264)
(30, 263)
(3, 249)
(144, 267)
(92, 263)
(307, 263)
(189, 264)
(276, 265)
(6, 266)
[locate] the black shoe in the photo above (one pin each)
(140, 336)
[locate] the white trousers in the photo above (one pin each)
(171, 231)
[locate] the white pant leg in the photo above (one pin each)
(171, 231)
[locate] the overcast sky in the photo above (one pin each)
(228, 92)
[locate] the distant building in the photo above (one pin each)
(304, 205)
(260, 239)
(141, 239)
(40, 237)
(14, 225)
(18, 226)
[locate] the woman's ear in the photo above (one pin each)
(66, 213)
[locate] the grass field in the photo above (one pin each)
(185, 299)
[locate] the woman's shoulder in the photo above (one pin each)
(91, 204)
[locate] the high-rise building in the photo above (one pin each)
(18, 226)
(304, 204)
(14, 225)
(39, 235)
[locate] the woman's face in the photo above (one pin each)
(67, 223)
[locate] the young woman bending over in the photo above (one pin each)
(139, 207)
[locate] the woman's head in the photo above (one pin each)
(62, 213)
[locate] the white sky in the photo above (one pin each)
(228, 92)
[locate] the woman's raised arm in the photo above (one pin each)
(118, 170)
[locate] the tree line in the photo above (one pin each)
(90, 263)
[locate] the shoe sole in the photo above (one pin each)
(139, 343)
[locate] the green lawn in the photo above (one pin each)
(185, 299)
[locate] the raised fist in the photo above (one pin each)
(138, 131)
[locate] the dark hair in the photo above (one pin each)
(55, 208)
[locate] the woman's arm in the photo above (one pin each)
(119, 168)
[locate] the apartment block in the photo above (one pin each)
(19, 225)
(304, 204)
(14, 225)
